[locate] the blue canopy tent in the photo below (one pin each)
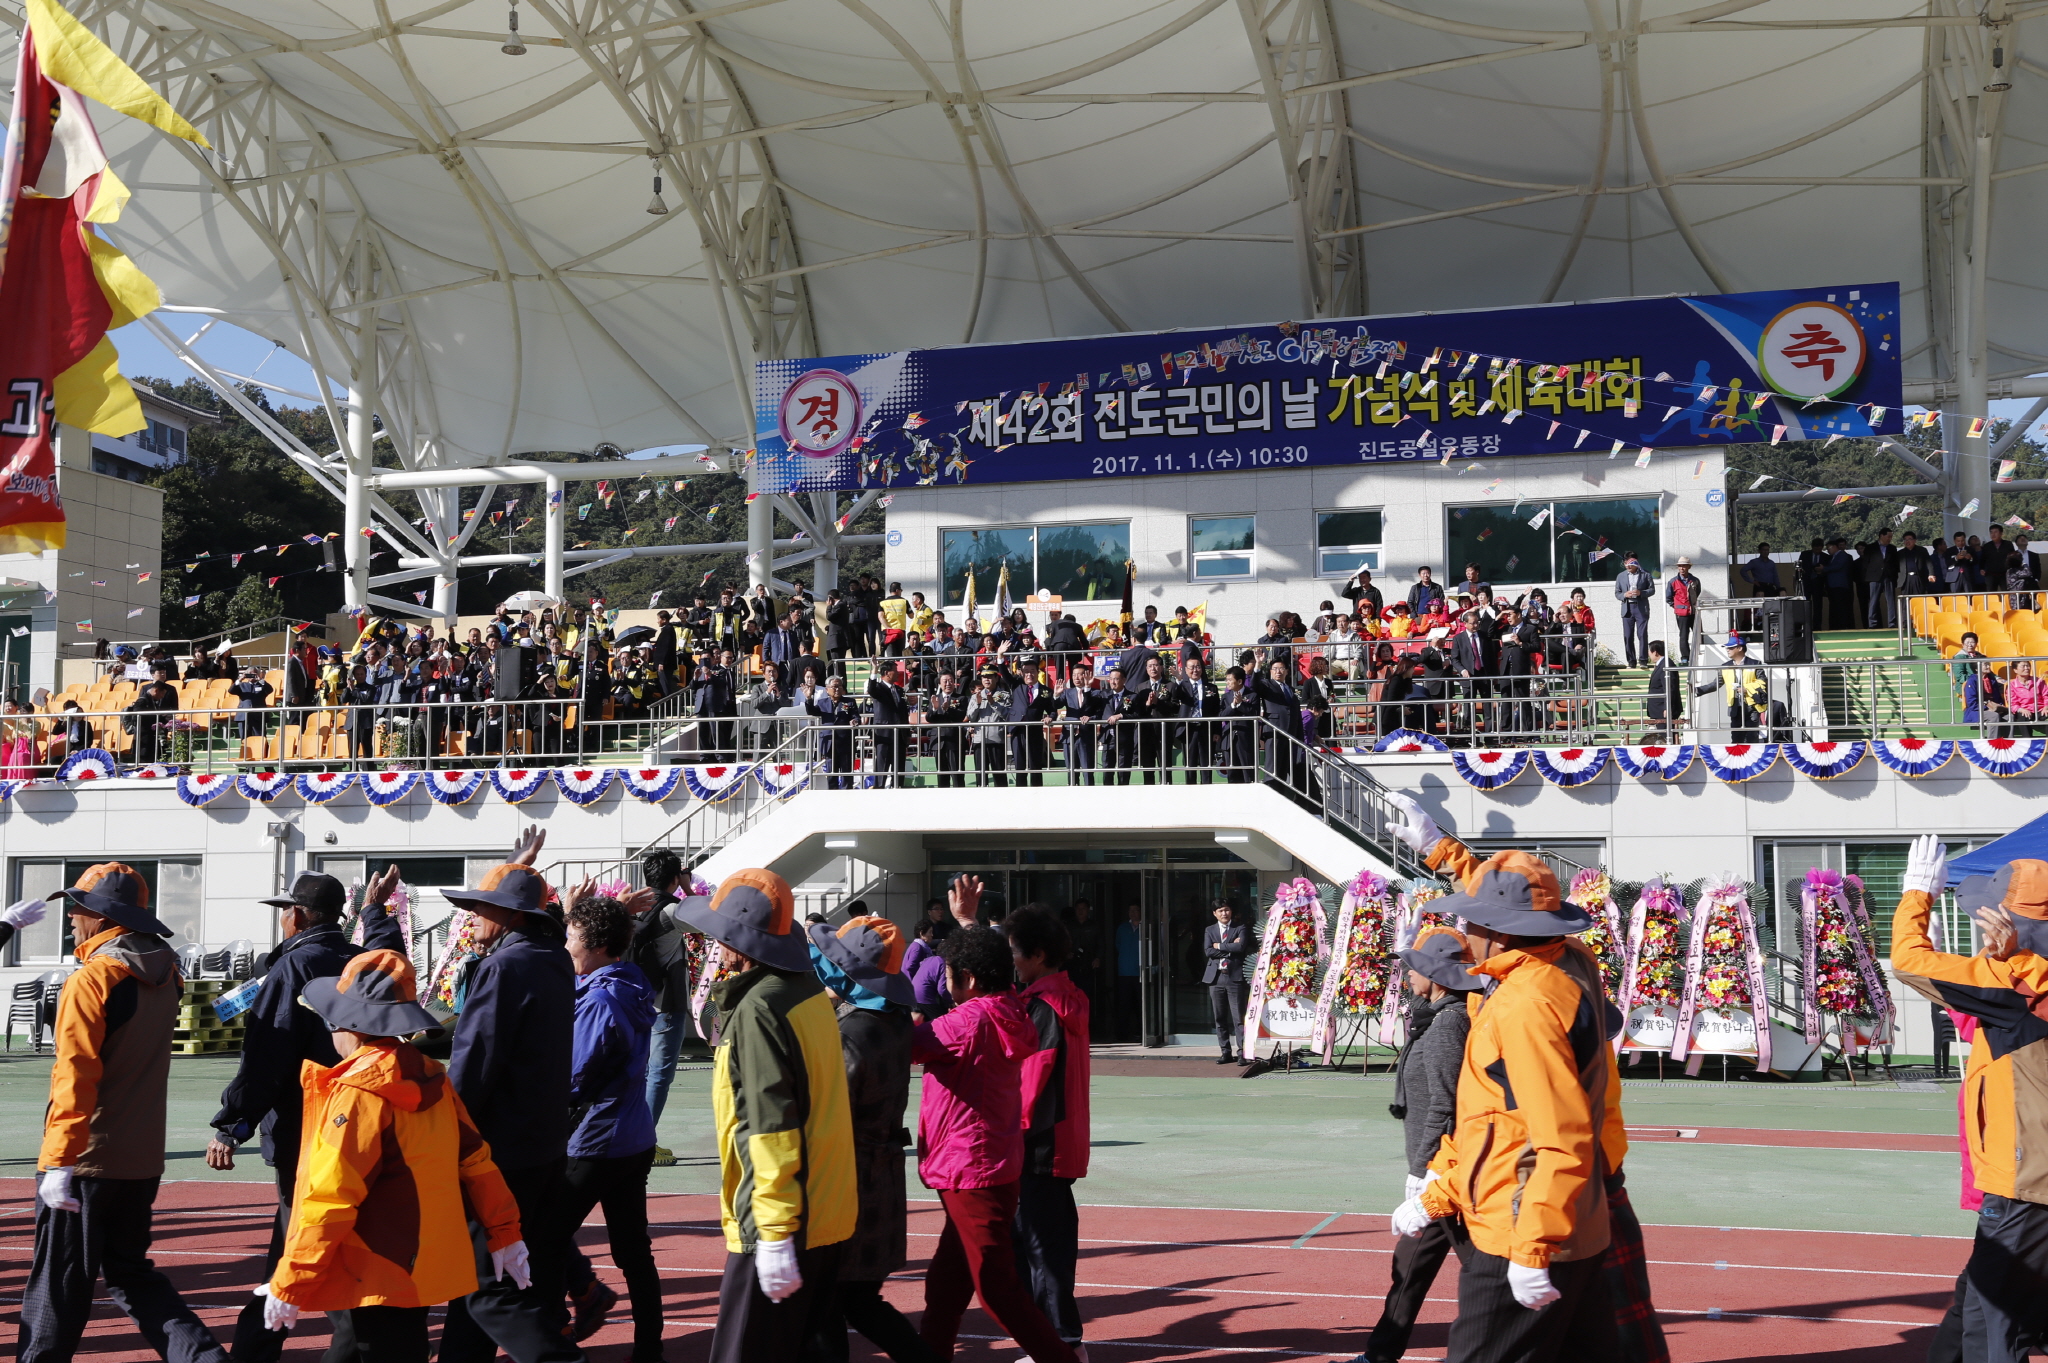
(2028, 840)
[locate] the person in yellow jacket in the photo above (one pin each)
(390, 1172)
(1538, 1124)
(788, 1195)
(2005, 1086)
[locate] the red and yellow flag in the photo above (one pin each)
(62, 285)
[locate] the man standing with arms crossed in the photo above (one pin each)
(1632, 588)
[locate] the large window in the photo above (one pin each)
(1347, 541)
(174, 895)
(1076, 562)
(1550, 541)
(1222, 547)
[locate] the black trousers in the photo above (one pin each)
(107, 1237)
(1047, 1229)
(620, 1187)
(753, 1329)
(1130, 1011)
(949, 760)
(526, 1325)
(376, 1334)
(988, 764)
(1028, 754)
(1080, 746)
(1416, 1261)
(1685, 628)
(889, 757)
(1492, 1327)
(2007, 1302)
(1226, 1007)
(862, 1306)
(253, 1343)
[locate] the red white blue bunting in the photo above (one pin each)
(1490, 769)
(318, 787)
(1410, 740)
(1824, 761)
(586, 785)
(517, 785)
(7, 789)
(454, 787)
(1739, 762)
(783, 779)
(389, 787)
(1914, 756)
(715, 783)
(1668, 762)
(151, 771)
(263, 785)
(2004, 756)
(204, 788)
(652, 784)
(1570, 767)
(89, 764)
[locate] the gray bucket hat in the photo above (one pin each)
(1441, 955)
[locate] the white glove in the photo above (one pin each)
(1927, 865)
(1418, 830)
(775, 1268)
(25, 914)
(55, 1190)
(278, 1316)
(1410, 1218)
(1531, 1286)
(1412, 1189)
(510, 1262)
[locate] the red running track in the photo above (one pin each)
(1163, 1283)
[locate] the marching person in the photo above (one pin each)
(102, 1155)
(1538, 1119)
(862, 964)
(391, 1171)
(279, 1039)
(1426, 1101)
(661, 950)
(1055, 1099)
(510, 1064)
(612, 1147)
(971, 1146)
(1225, 944)
(2003, 1301)
(787, 1184)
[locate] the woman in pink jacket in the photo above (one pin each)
(970, 1143)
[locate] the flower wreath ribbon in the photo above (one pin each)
(1290, 896)
(1735, 894)
(1363, 913)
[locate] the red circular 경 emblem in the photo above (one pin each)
(820, 413)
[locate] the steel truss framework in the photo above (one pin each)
(436, 225)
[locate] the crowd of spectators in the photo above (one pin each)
(1860, 587)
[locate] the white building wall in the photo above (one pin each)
(1412, 496)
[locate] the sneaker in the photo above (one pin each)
(663, 1157)
(592, 1307)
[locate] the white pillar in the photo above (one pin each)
(760, 533)
(825, 568)
(355, 498)
(551, 562)
(1970, 479)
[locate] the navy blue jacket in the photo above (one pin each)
(608, 1082)
(511, 1055)
(278, 1033)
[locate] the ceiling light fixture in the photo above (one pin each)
(515, 46)
(655, 206)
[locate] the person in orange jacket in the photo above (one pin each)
(391, 1170)
(2006, 1281)
(102, 1155)
(1538, 1125)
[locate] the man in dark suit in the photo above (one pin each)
(1200, 704)
(1632, 588)
(716, 691)
(1663, 705)
(889, 712)
(1080, 711)
(664, 655)
(1132, 664)
(1032, 703)
(946, 712)
(1225, 944)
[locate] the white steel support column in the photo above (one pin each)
(760, 534)
(360, 455)
(551, 555)
(1970, 462)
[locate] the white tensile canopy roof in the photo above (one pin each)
(849, 175)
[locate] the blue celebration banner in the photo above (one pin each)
(1634, 375)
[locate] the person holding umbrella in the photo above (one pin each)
(392, 1171)
(787, 1183)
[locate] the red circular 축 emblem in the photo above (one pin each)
(820, 413)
